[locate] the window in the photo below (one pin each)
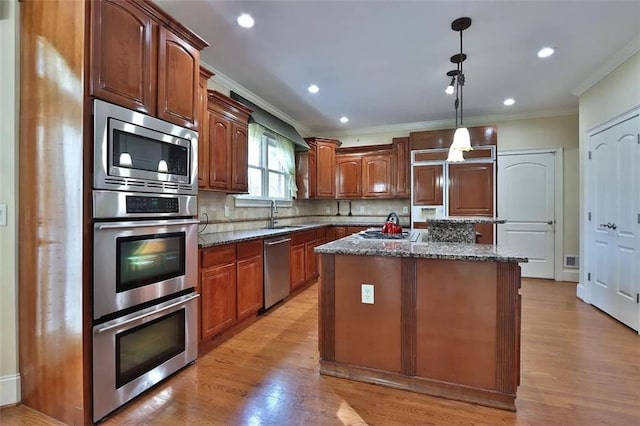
(271, 166)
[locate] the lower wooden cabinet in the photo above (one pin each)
(296, 266)
(231, 285)
(218, 299)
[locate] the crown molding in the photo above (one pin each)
(611, 63)
(225, 81)
(443, 124)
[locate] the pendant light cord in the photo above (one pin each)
(461, 83)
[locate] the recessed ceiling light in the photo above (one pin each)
(245, 20)
(313, 89)
(545, 52)
(344, 119)
(509, 101)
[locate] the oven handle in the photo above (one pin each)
(139, 317)
(147, 224)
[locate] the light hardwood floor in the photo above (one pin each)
(579, 367)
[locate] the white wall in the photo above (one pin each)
(9, 379)
(616, 93)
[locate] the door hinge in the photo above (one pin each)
(589, 155)
(638, 138)
(638, 298)
(638, 217)
(590, 215)
(589, 276)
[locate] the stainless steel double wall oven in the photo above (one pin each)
(145, 246)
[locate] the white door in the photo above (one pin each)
(526, 194)
(613, 226)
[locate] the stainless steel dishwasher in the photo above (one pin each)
(276, 270)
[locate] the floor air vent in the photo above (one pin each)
(571, 261)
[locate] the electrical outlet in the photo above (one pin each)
(226, 210)
(203, 214)
(3, 215)
(327, 209)
(405, 209)
(361, 209)
(367, 293)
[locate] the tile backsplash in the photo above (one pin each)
(214, 205)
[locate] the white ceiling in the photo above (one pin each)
(383, 63)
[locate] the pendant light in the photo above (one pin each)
(461, 138)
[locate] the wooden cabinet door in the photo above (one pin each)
(218, 299)
(348, 176)
(339, 232)
(402, 164)
(427, 185)
(310, 263)
(219, 151)
(376, 175)
(203, 130)
(178, 79)
(250, 286)
(471, 189)
(239, 158)
(123, 56)
(313, 174)
(325, 170)
(297, 268)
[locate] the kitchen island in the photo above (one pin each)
(445, 317)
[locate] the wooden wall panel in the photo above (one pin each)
(456, 322)
(368, 335)
(53, 204)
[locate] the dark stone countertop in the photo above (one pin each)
(423, 248)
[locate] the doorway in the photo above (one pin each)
(613, 218)
(530, 200)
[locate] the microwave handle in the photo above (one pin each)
(139, 317)
(146, 224)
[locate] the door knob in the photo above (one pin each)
(613, 226)
(604, 225)
(550, 222)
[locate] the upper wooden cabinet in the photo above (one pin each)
(432, 139)
(471, 189)
(401, 167)
(376, 175)
(316, 169)
(348, 176)
(228, 122)
(427, 185)
(203, 120)
(144, 60)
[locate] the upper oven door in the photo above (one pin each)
(135, 152)
(138, 262)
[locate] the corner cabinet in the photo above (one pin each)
(227, 144)
(142, 59)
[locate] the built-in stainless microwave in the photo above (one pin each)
(136, 152)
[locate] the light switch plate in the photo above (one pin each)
(226, 210)
(3, 215)
(367, 294)
(327, 209)
(405, 209)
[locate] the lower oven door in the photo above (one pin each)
(139, 261)
(134, 352)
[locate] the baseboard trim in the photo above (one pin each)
(9, 390)
(572, 275)
(581, 293)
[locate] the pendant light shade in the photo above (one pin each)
(455, 155)
(461, 140)
(125, 160)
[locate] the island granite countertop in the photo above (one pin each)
(423, 248)
(463, 219)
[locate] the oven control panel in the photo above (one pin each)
(146, 204)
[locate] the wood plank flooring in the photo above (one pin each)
(579, 367)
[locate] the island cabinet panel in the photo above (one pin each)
(348, 176)
(368, 335)
(471, 189)
(456, 322)
(427, 185)
(376, 175)
(178, 79)
(123, 56)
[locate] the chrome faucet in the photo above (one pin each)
(274, 214)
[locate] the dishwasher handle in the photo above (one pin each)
(274, 243)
